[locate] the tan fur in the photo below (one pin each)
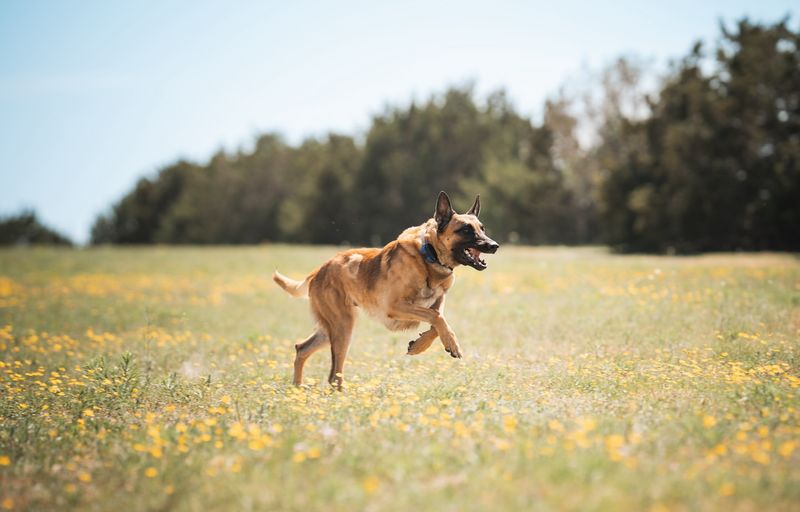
(395, 284)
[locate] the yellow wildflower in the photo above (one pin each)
(787, 448)
(510, 423)
(371, 484)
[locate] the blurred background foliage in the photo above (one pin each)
(708, 159)
(25, 229)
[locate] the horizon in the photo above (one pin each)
(111, 96)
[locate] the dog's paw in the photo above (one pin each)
(451, 345)
(454, 352)
(421, 344)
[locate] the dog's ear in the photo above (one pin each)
(444, 211)
(476, 206)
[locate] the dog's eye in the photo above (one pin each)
(467, 230)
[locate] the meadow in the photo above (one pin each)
(160, 379)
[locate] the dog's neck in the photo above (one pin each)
(428, 253)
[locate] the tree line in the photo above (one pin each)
(24, 229)
(339, 190)
(707, 159)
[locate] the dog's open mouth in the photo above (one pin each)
(471, 256)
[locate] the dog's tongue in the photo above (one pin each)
(475, 253)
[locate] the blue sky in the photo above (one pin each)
(95, 94)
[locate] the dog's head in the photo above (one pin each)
(461, 236)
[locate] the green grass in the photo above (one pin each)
(159, 378)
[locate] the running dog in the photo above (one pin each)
(401, 285)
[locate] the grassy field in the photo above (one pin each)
(159, 379)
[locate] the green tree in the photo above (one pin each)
(411, 154)
(321, 208)
(453, 143)
(137, 217)
(25, 229)
(717, 162)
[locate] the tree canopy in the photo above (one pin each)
(716, 164)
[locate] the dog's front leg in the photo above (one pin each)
(406, 311)
(426, 338)
(423, 342)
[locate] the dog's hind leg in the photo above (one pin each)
(304, 350)
(340, 334)
(335, 314)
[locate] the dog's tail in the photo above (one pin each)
(292, 287)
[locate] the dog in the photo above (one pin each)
(401, 285)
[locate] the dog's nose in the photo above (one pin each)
(492, 247)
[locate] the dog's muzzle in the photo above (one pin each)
(489, 247)
(471, 254)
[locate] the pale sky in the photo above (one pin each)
(95, 94)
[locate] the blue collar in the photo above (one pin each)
(430, 256)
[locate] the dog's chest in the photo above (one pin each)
(427, 295)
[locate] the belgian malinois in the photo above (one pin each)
(402, 284)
